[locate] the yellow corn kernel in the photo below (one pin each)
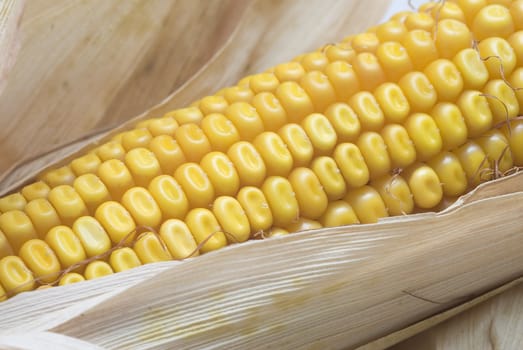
(192, 141)
(399, 145)
(294, 100)
(149, 249)
(277, 232)
(92, 191)
(338, 213)
(291, 71)
(374, 151)
(136, 138)
(516, 81)
(451, 37)
(248, 162)
(5, 247)
(320, 132)
(312, 200)
(400, 16)
(451, 124)
(516, 42)
(186, 115)
(445, 78)
(419, 20)
(196, 184)
(419, 91)
(213, 104)
(497, 149)
(352, 165)
(86, 164)
(314, 61)
(303, 224)
(68, 203)
(318, 87)
(66, 246)
(205, 228)
(220, 132)
(514, 134)
(38, 189)
(425, 185)
(17, 227)
(343, 79)
(425, 135)
(57, 177)
(40, 259)
(263, 82)
(142, 207)
(116, 177)
(274, 152)
(111, 150)
(14, 201)
(492, 21)
(330, 178)
(42, 215)
(365, 42)
(344, 121)
(246, 120)
(499, 57)
(281, 199)
(502, 100)
(394, 59)
(238, 94)
(368, 70)
(471, 8)
(391, 31)
(297, 143)
(15, 277)
(447, 9)
(142, 165)
(450, 172)
(256, 208)
(162, 126)
(169, 196)
(368, 111)
(97, 269)
(339, 52)
(473, 160)
(178, 239)
(367, 204)
(270, 111)
(475, 109)
(395, 193)
(221, 172)
(472, 68)
(516, 11)
(116, 221)
(420, 47)
(392, 102)
(123, 259)
(92, 235)
(70, 278)
(232, 219)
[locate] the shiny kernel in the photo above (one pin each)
(368, 111)
(143, 165)
(338, 213)
(178, 239)
(136, 138)
(66, 246)
(40, 259)
(399, 145)
(330, 177)
(294, 100)
(425, 185)
(420, 47)
(192, 141)
(476, 111)
(425, 135)
(70, 278)
(502, 101)
(291, 71)
(263, 82)
(472, 68)
(394, 59)
(17, 227)
(492, 21)
(419, 20)
(451, 37)
(116, 177)
(473, 160)
(168, 153)
(392, 102)
(367, 204)
(277, 232)
(232, 219)
(281, 199)
(86, 164)
(448, 10)
(420, 92)
(116, 221)
(497, 149)
(92, 191)
(248, 162)
(205, 228)
(213, 104)
(516, 42)
(196, 184)
(391, 31)
(297, 143)
(303, 225)
(514, 134)
(314, 61)
(400, 16)
(150, 249)
(450, 172)
(221, 172)
(516, 11)
(142, 207)
(344, 121)
(220, 131)
(57, 177)
(516, 81)
(277, 158)
(343, 79)
(111, 150)
(395, 193)
(445, 78)
(270, 111)
(169, 196)
(320, 132)
(451, 124)
(15, 277)
(246, 120)
(68, 203)
(5, 247)
(92, 235)
(339, 52)
(35, 190)
(97, 269)
(123, 259)
(256, 208)
(318, 87)
(14, 201)
(374, 151)
(500, 58)
(368, 70)
(471, 8)
(42, 215)
(186, 115)
(365, 42)
(162, 126)
(238, 94)
(352, 165)
(312, 200)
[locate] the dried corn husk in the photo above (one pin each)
(10, 14)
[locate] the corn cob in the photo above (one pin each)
(412, 113)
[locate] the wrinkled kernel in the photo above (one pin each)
(221, 173)
(232, 219)
(352, 165)
(343, 79)
(368, 70)
(338, 213)
(420, 47)
(329, 177)
(499, 57)
(394, 60)
(419, 91)
(206, 230)
(320, 132)
(294, 100)
(297, 143)
(425, 185)
(246, 120)
(476, 112)
(123, 259)
(399, 145)
(281, 199)
(450, 172)
(312, 200)
(473, 161)
(290, 71)
(445, 78)
(395, 193)
(248, 162)
(192, 141)
(502, 101)
(256, 208)
(492, 21)
(276, 156)
(169, 196)
(195, 183)
(142, 207)
(367, 204)
(368, 110)
(270, 110)
(425, 135)
(374, 151)
(451, 124)
(393, 102)
(472, 68)
(319, 88)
